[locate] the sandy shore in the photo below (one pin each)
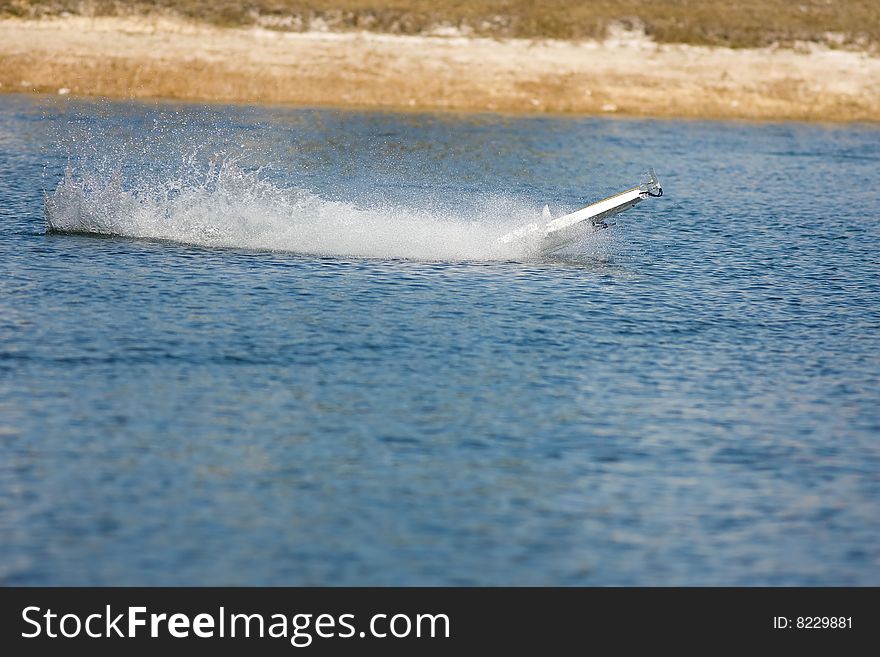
(625, 74)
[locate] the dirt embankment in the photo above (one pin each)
(625, 73)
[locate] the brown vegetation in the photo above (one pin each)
(744, 23)
(175, 59)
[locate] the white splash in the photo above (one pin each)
(228, 206)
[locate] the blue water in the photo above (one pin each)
(299, 357)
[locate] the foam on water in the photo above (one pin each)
(224, 204)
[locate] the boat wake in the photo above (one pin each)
(225, 204)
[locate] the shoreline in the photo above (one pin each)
(626, 74)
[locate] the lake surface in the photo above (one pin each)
(303, 359)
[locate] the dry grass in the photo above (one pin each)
(745, 23)
(134, 58)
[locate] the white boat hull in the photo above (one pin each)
(569, 229)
